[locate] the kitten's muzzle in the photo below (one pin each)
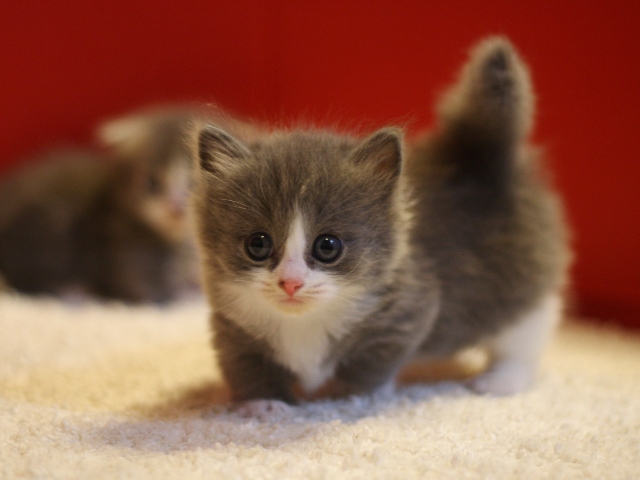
(291, 286)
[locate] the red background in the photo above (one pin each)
(68, 64)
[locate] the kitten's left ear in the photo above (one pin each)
(383, 151)
(217, 150)
(127, 134)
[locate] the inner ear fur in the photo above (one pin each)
(383, 150)
(217, 149)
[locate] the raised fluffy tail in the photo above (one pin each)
(489, 112)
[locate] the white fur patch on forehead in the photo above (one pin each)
(293, 264)
(297, 241)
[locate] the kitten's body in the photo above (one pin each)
(112, 225)
(40, 206)
(462, 245)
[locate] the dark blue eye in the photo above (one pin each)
(327, 248)
(259, 246)
(154, 185)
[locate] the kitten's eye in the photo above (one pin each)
(327, 248)
(154, 186)
(259, 246)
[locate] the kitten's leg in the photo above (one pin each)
(248, 370)
(373, 368)
(515, 351)
(390, 337)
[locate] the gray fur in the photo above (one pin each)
(487, 215)
(74, 221)
(453, 243)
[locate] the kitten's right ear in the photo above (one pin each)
(217, 150)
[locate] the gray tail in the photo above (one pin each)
(489, 112)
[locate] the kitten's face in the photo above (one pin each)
(298, 222)
(162, 202)
(294, 273)
(155, 170)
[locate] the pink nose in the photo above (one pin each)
(290, 286)
(177, 206)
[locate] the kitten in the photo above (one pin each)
(113, 225)
(329, 257)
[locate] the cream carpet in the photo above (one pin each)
(107, 391)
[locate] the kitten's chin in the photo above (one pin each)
(294, 306)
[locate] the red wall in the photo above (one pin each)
(65, 65)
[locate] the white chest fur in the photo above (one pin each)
(301, 342)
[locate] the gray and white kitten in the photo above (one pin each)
(329, 257)
(111, 225)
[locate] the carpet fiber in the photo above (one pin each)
(107, 391)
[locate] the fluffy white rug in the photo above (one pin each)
(107, 391)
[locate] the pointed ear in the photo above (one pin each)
(383, 151)
(217, 150)
(126, 134)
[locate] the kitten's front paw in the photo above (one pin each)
(504, 378)
(339, 389)
(386, 391)
(264, 409)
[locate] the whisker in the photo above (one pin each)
(235, 188)
(346, 299)
(235, 201)
(231, 303)
(337, 209)
(252, 206)
(226, 203)
(355, 267)
(355, 297)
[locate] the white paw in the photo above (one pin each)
(504, 378)
(263, 409)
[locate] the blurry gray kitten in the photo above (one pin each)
(113, 225)
(327, 257)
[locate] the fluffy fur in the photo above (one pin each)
(457, 242)
(113, 225)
